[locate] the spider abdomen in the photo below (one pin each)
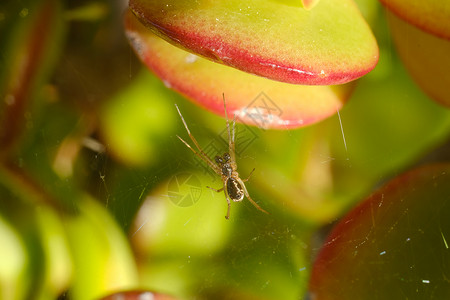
(234, 190)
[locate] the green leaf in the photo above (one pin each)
(13, 263)
(329, 44)
(432, 16)
(426, 56)
(253, 99)
(102, 257)
(137, 120)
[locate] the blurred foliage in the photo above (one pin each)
(94, 183)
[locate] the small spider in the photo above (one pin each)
(225, 166)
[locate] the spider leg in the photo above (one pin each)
(228, 209)
(250, 198)
(254, 203)
(231, 134)
(205, 159)
(218, 191)
(226, 197)
(249, 175)
(201, 154)
(232, 143)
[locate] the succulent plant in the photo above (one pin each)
(341, 108)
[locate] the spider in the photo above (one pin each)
(225, 166)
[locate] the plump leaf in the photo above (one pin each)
(14, 262)
(432, 16)
(253, 99)
(309, 4)
(137, 120)
(138, 295)
(59, 265)
(394, 245)
(426, 56)
(329, 44)
(103, 260)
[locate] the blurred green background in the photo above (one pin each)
(98, 195)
